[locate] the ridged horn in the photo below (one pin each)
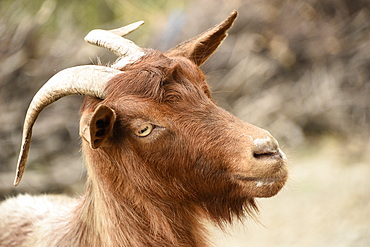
(123, 31)
(126, 50)
(81, 80)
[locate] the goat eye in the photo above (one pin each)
(144, 130)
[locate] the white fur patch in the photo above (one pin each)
(264, 183)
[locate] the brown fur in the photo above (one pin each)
(198, 163)
(165, 184)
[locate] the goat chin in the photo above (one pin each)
(161, 156)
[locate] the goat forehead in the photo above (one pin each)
(147, 75)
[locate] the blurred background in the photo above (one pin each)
(299, 68)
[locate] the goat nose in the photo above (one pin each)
(266, 147)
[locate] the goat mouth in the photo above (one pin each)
(257, 179)
(261, 181)
(261, 187)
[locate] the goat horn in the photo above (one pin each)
(123, 31)
(81, 80)
(125, 49)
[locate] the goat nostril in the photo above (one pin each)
(267, 155)
(266, 148)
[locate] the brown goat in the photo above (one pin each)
(161, 156)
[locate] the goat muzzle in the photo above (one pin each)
(263, 171)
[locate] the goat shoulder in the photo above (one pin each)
(24, 216)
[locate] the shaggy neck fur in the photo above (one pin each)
(135, 194)
(126, 218)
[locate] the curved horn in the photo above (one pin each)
(123, 31)
(81, 80)
(126, 50)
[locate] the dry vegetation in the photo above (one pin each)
(298, 68)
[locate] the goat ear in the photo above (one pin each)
(201, 47)
(96, 127)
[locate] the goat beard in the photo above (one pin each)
(224, 211)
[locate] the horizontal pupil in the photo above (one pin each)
(143, 130)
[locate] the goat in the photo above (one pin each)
(161, 156)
